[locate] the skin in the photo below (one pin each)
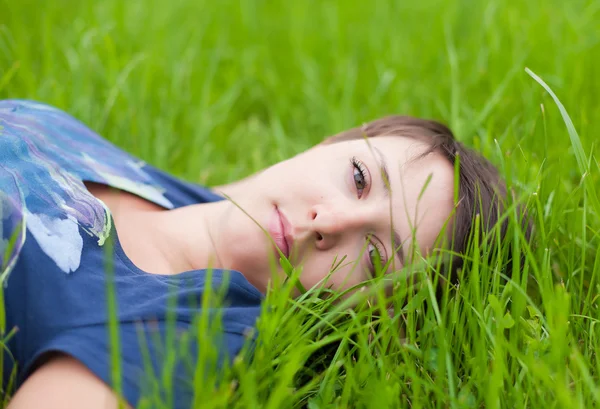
(333, 212)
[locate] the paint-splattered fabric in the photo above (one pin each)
(56, 240)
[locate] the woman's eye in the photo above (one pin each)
(376, 257)
(359, 179)
(360, 176)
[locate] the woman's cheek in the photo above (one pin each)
(347, 276)
(317, 270)
(314, 269)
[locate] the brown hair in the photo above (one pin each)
(480, 188)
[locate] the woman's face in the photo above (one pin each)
(332, 203)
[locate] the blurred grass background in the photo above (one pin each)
(212, 91)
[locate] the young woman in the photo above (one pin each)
(80, 216)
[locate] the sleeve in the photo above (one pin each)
(158, 365)
(167, 362)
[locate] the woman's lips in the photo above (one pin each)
(280, 229)
(287, 232)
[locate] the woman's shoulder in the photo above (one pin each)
(46, 156)
(35, 133)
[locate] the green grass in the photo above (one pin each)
(214, 90)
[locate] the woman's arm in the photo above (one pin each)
(63, 383)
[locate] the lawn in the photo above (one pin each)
(214, 90)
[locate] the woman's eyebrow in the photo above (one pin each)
(385, 179)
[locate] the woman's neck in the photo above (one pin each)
(183, 237)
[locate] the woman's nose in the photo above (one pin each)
(330, 224)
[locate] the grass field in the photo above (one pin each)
(214, 90)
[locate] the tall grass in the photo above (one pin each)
(212, 91)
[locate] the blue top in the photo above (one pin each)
(56, 241)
